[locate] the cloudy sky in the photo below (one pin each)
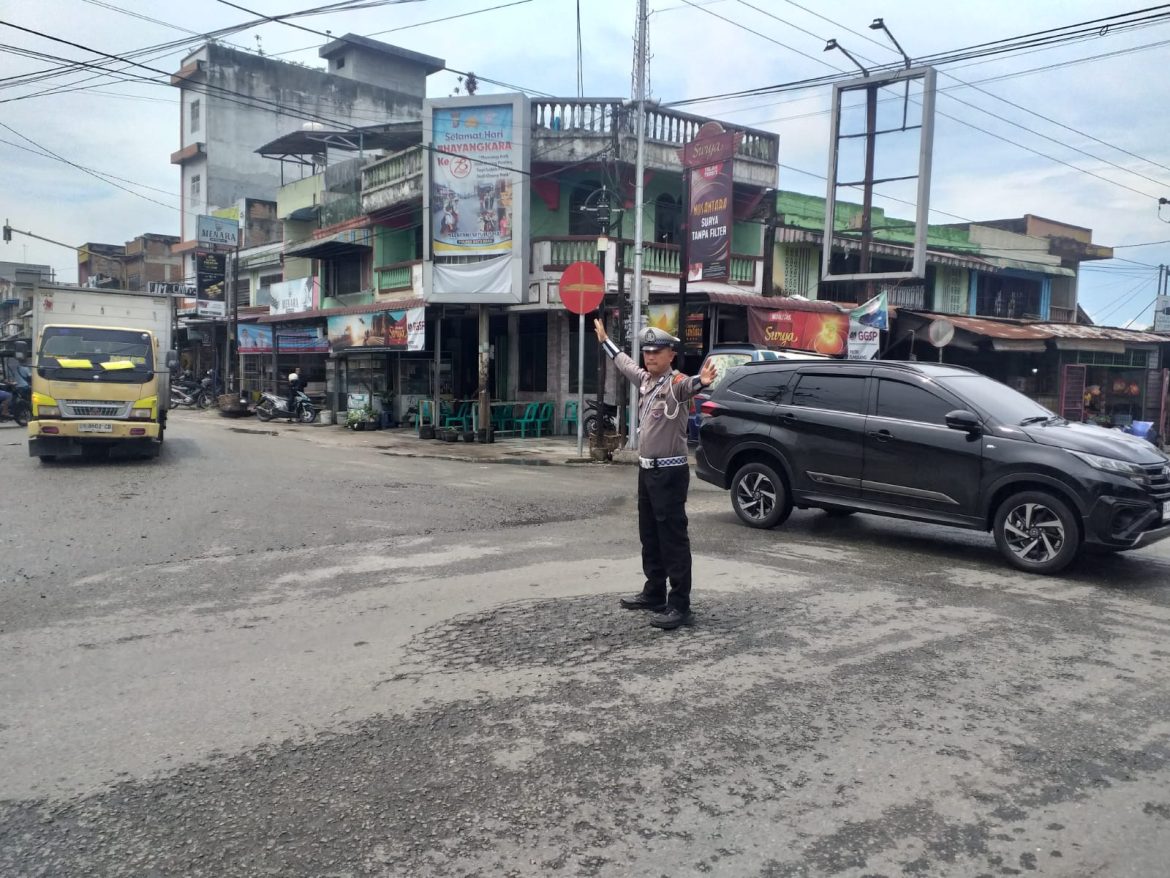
(1073, 132)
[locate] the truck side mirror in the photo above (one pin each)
(172, 359)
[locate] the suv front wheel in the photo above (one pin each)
(759, 496)
(1037, 532)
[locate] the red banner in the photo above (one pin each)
(823, 332)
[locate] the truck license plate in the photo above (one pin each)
(95, 427)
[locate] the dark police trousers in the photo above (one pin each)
(662, 526)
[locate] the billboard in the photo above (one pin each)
(823, 332)
(477, 190)
(217, 231)
(403, 330)
(1162, 314)
(709, 222)
(210, 274)
(254, 339)
(293, 296)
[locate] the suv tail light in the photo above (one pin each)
(711, 409)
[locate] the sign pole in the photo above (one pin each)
(580, 384)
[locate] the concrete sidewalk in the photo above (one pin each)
(403, 442)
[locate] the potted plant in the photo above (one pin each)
(359, 419)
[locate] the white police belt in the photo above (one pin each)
(657, 462)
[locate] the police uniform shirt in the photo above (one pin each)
(663, 407)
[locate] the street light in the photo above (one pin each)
(833, 44)
(879, 24)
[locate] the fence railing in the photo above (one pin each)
(398, 276)
(555, 253)
(393, 168)
(604, 116)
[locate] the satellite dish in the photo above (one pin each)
(940, 332)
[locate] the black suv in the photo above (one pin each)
(931, 443)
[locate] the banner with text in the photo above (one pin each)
(209, 284)
(293, 296)
(709, 223)
(472, 179)
(823, 332)
(217, 231)
(386, 330)
(254, 339)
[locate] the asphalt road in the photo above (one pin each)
(289, 656)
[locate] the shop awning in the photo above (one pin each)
(325, 313)
(1037, 267)
(351, 242)
(1016, 335)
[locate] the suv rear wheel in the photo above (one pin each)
(759, 496)
(1037, 532)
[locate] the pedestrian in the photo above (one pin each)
(664, 473)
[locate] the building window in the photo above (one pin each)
(194, 116)
(340, 61)
(666, 216)
(196, 186)
(533, 353)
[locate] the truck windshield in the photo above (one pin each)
(77, 353)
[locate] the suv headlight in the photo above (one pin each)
(1111, 465)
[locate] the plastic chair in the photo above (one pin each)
(460, 418)
(544, 420)
(529, 420)
(569, 418)
(423, 417)
(503, 418)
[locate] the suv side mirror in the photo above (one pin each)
(961, 419)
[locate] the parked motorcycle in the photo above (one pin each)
(596, 418)
(185, 391)
(272, 405)
(19, 407)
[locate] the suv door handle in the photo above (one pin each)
(788, 418)
(881, 435)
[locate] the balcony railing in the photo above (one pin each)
(392, 169)
(602, 117)
(553, 254)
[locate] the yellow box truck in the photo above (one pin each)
(101, 371)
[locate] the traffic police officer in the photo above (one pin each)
(664, 474)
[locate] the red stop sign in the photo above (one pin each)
(582, 287)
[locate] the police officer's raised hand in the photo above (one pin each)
(602, 335)
(708, 373)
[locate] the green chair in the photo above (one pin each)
(460, 418)
(503, 418)
(529, 420)
(544, 420)
(570, 416)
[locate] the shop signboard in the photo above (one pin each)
(1162, 314)
(183, 294)
(310, 340)
(865, 325)
(294, 296)
(823, 332)
(254, 339)
(214, 231)
(210, 272)
(402, 330)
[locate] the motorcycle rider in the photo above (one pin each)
(294, 387)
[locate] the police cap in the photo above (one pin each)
(653, 338)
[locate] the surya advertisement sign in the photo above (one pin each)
(386, 330)
(707, 160)
(823, 332)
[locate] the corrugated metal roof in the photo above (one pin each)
(1108, 333)
(1016, 329)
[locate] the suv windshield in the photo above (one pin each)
(77, 353)
(995, 399)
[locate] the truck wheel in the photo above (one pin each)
(759, 496)
(1037, 532)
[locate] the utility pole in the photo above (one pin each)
(639, 218)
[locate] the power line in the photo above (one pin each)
(58, 158)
